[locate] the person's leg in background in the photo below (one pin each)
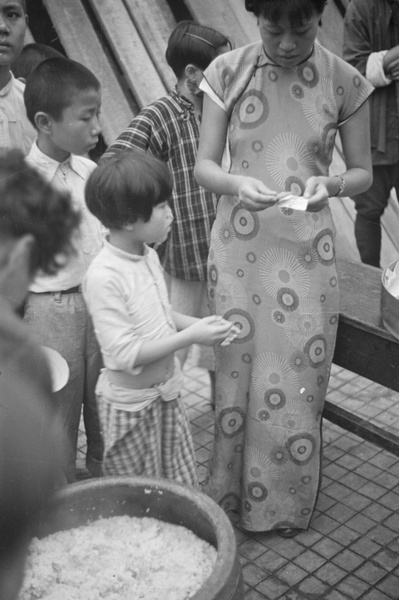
(93, 365)
(370, 207)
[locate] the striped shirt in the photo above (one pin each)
(169, 130)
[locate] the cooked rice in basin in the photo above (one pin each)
(118, 558)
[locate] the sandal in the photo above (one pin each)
(288, 532)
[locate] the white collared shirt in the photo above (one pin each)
(16, 131)
(71, 175)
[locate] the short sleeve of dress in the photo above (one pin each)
(229, 74)
(351, 89)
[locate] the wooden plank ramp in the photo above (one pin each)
(129, 50)
(81, 43)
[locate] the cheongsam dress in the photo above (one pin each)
(273, 273)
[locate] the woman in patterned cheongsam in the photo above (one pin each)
(279, 103)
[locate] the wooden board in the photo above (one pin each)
(229, 18)
(129, 50)
(155, 22)
(80, 42)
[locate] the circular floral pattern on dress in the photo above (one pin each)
(278, 268)
(306, 322)
(294, 185)
(230, 291)
(297, 91)
(213, 274)
(271, 374)
(323, 244)
(315, 348)
(287, 156)
(287, 299)
(263, 414)
(251, 257)
(301, 448)
(230, 502)
(240, 273)
(298, 361)
(316, 149)
(245, 223)
(273, 76)
(320, 107)
(226, 233)
(308, 74)
(340, 90)
(257, 146)
(333, 281)
(307, 225)
(275, 399)
(257, 491)
(244, 321)
(279, 455)
(231, 421)
(252, 109)
(333, 320)
(256, 299)
(246, 358)
(307, 257)
(278, 317)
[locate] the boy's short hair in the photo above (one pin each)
(52, 85)
(192, 43)
(126, 186)
(32, 55)
(31, 205)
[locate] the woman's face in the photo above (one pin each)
(288, 44)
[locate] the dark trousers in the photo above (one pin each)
(370, 206)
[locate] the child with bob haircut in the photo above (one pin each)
(169, 130)
(145, 427)
(63, 101)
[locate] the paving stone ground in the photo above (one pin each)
(351, 550)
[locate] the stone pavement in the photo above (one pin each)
(351, 550)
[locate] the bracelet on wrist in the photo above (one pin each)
(341, 186)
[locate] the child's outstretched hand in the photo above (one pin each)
(213, 330)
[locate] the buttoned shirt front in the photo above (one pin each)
(127, 299)
(71, 176)
(16, 131)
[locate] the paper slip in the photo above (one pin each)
(295, 202)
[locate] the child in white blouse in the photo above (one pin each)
(145, 427)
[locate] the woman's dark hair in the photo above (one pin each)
(126, 186)
(192, 43)
(31, 205)
(297, 10)
(52, 85)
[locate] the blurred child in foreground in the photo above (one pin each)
(36, 225)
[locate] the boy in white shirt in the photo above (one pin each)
(15, 129)
(63, 100)
(145, 427)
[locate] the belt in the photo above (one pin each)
(73, 290)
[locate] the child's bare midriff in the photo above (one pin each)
(153, 374)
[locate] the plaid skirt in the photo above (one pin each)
(155, 441)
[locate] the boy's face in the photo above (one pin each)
(13, 24)
(78, 130)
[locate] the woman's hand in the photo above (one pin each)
(254, 195)
(316, 194)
